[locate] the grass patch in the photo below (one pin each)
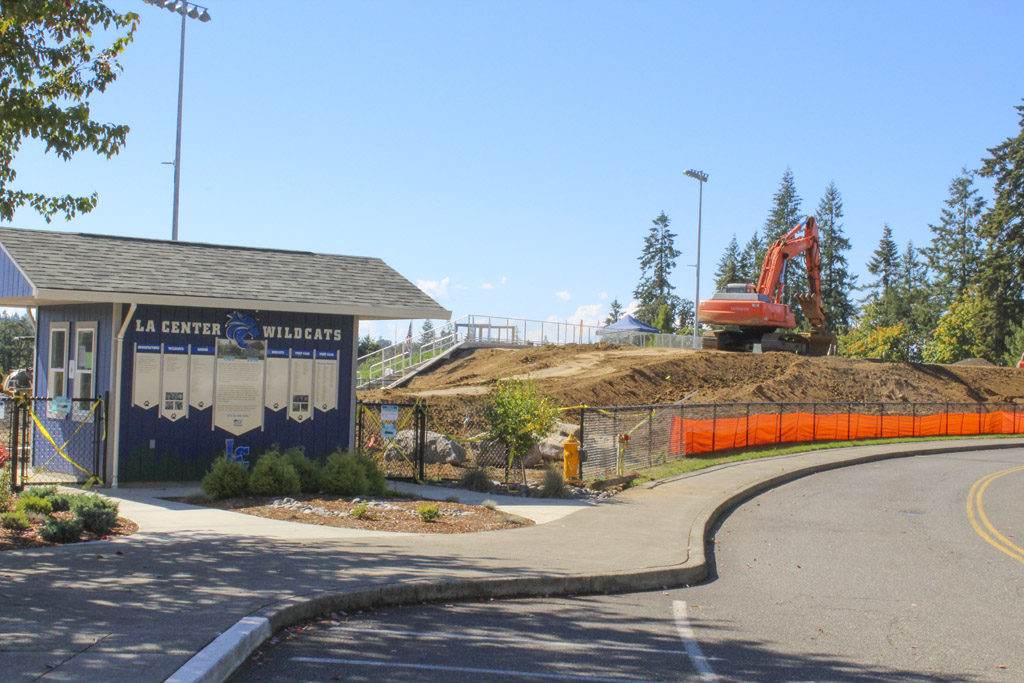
(700, 462)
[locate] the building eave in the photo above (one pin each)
(57, 297)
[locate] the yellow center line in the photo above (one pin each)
(979, 520)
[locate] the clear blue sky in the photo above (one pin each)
(509, 156)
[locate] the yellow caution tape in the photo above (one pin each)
(60, 449)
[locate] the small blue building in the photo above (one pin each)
(201, 349)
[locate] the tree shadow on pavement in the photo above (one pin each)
(633, 637)
(141, 607)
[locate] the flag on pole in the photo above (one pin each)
(408, 336)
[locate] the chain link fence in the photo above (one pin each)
(411, 443)
(53, 440)
(619, 439)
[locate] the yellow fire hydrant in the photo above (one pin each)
(571, 459)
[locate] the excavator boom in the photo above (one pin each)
(751, 313)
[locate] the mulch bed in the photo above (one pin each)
(18, 540)
(381, 514)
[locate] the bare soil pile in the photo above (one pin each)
(614, 375)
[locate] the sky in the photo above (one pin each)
(509, 157)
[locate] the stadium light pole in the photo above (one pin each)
(702, 178)
(187, 10)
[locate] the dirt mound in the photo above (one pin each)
(614, 375)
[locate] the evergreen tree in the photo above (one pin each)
(785, 212)
(836, 281)
(663, 320)
(657, 260)
(1014, 345)
(956, 247)
(16, 335)
(1002, 269)
(367, 345)
(752, 259)
(783, 217)
(428, 333)
(685, 315)
(614, 313)
(883, 264)
(913, 302)
(729, 265)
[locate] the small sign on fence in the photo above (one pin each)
(61, 404)
(388, 430)
(389, 413)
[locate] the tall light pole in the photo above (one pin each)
(701, 177)
(187, 10)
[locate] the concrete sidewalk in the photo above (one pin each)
(142, 607)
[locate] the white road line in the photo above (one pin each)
(532, 642)
(700, 662)
(459, 669)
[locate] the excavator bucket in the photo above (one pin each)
(812, 311)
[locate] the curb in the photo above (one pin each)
(218, 660)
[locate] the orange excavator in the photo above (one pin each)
(755, 315)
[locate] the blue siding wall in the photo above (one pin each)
(12, 282)
(78, 441)
(182, 449)
(102, 315)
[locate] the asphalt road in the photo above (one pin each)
(902, 570)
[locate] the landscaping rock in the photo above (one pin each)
(437, 448)
(550, 447)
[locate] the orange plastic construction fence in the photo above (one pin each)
(705, 436)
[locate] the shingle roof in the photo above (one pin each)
(65, 267)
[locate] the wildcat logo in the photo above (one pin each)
(241, 327)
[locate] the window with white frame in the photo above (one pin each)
(85, 359)
(56, 381)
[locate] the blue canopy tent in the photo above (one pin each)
(629, 325)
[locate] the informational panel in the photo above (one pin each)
(301, 386)
(325, 381)
(238, 395)
(237, 371)
(276, 392)
(174, 382)
(200, 377)
(146, 378)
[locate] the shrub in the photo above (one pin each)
(96, 515)
(40, 491)
(376, 480)
(518, 416)
(360, 512)
(6, 494)
(61, 502)
(553, 485)
(15, 521)
(226, 480)
(33, 505)
(489, 504)
(428, 512)
(274, 476)
(61, 530)
(343, 475)
(475, 479)
(308, 471)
